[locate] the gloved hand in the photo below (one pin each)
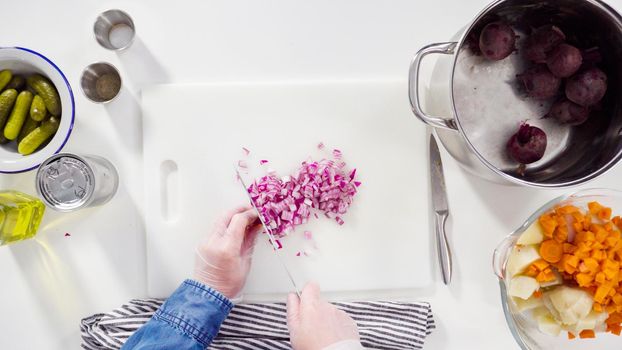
(315, 324)
(223, 260)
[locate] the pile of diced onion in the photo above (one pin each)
(318, 186)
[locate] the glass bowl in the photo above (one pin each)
(523, 328)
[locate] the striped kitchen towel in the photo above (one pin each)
(382, 325)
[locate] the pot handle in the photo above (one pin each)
(446, 48)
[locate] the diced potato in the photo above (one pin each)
(547, 324)
(556, 282)
(523, 287)
(540, 311)
(529, 304)
(532, 235)
(568, 305)
(520, 258)
(593, 321)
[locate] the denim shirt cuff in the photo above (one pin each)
(195, 310)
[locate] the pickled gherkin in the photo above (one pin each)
(38, 136)
(17, 82)
(5, 78)
(37, 109)
(29, 125)
(7, 99)
(18, 115)
(47, 91)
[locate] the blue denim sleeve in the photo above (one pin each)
(189, 319)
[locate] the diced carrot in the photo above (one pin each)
(611, 308)
(571, 336)
(561, 234)
(567, 209)
(569, 248)
(600, 278)
(545, 276)
(592, 260)
(604, 214)
(594, 207)
(583, 279)
(587, 333)
(541, 264)
(614, 318)
(601, 293)
(548, 224)
(531, 271)
(587, 221)
(551, 251)
(537, 294)
(601, 235)
(578, 217)
(592, 265)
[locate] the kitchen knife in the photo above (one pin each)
(270, 235)
(441, 209)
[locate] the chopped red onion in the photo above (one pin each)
(278, 244)
(246, 151)
(262, 162)
(337, 154)
(308, 235)
(242, 164)
(318, 186)
(320, 145)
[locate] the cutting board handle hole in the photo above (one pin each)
(169, 190)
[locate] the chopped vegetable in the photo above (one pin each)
(590, 259)
(551, 251)
(587, 333)
(287, 202)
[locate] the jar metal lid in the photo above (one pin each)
(65, 182)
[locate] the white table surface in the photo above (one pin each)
(50, 283)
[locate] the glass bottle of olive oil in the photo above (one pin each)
(20, 216)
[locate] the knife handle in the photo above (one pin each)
(444, 252)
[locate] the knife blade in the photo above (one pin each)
(270, 235)
(441, 209)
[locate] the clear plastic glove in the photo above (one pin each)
(315, 324)
(223, 260)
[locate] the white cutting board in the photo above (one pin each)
(193, 138)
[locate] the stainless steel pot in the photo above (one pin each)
(475, 105)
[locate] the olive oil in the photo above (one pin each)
(20, 216)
